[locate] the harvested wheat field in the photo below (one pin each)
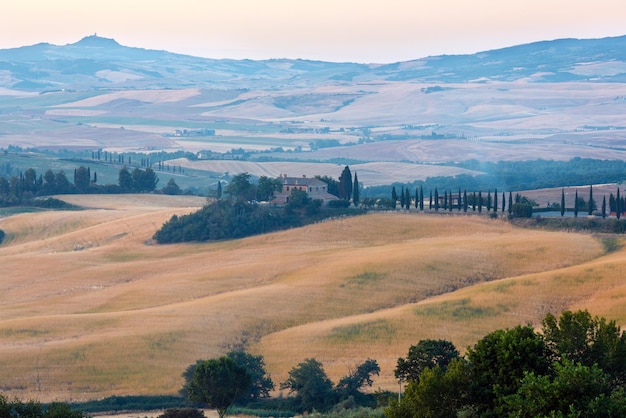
(91, 307)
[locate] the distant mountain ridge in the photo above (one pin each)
(101, 63)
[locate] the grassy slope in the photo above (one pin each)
(90, 309)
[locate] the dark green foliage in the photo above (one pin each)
(218, 383)
(425, 354)
(240, 188)
(500, 360)
(345, 184)
(132, 403)
(522, 210)
(350, 386)
(32, 409)
(338, 204)
(182, 413)
(261, 384)
(394, 197)
(313, 388)
(266, 188)
(171, 188)
(356, 192)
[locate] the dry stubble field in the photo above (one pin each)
(91, 307)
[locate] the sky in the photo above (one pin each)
(364, 31)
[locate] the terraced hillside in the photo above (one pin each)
(91, 307)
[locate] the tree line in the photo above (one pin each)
(575, 366)
(28, 185)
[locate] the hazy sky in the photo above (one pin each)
(332, 30)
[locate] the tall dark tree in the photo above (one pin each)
(394, 197)
(421, 198)
(430, 200)
(356, 193)
(436, 199)
(345, 184)
(417, 198)
(576, 205)
(591, 204)
(503, 202)
(407, 199)
(618, 208)
(480, 202)
(603, 207)
(495, 201)
(218, 192)
(125, 180)
(402, 197)
(445, 200)
(82, 178)
(562, 202)
(489, 201)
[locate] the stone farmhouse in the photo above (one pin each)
(315, 189)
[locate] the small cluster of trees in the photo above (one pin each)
(28, 185)
(19, 409)
(241, 377)
(575, 367)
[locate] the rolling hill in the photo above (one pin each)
(92, 308)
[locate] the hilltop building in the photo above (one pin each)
(315, 189)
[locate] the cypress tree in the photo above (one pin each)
(430, 201)
(218, 194)
(474, 202)
(402, 198)
(417, 198)
(576, 205)
(407, 199)
(510, 203)
(355, 192)
(592, 204)
(495, 201)
(503, 202)
(421, 198)
(445, 200)
(394, 197)
(603, 207)
(618, 208)
(480, 202)
(489, 201)
(562, 202)
(436, 199)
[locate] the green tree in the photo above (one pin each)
(495, 201)
(267, 187)
(218, 383)
(125, 180)
(576, 205)
(82, 179)
(361, 376)
(394, 197)
(345, 184)
(402, 197)
(562, 202)
(313, 388)
(425, 354)
(218, 192)
(439, 393)
(260, 382)
(171, 188)
(510, 203)
(575, 390)
(603, 207)
(591, 205)
(500, 360)
(239, 188)
(356, 191)
(332, 184)
(588, 340)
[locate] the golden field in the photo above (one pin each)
(91, 307)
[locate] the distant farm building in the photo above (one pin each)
(315, 188)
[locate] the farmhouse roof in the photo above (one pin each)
(301, 181)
